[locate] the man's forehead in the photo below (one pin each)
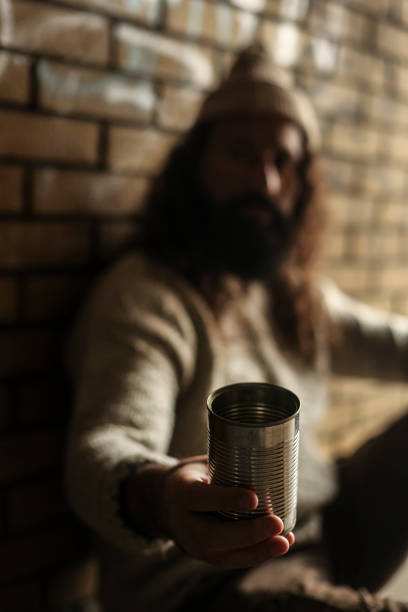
(262, 130)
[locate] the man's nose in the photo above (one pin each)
(267, 178)
(272, 178)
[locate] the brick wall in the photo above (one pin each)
(93, 93)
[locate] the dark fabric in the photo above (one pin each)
(366, 528)
(295, 583)
(365, 540)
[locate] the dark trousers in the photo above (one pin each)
(366, 528)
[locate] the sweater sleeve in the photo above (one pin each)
(372, 343)
(133, 353)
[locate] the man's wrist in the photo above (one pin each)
(141, 500)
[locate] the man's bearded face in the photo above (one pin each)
(235, 239)
(248, 188)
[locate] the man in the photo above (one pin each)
(224, 289)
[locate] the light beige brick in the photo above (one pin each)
(391, 278)
(33, 136)
(346, 209)
(216, 22)
(403, 14)
(333, 99)
(244, 28)
(324, 55)
(361, 210)
(385, 110)
(379, 7)
(399, 303)
(14, 77)
(253, 5)
(69, 89)
(285, 42)
(8, 299)
(355, 238)
(336, 246)
(11, 178)
(155, 54)
(355, 141)
(178, 108)
(401, 79)
(396, 146)
(52, 297)
(141, 150)
(380, 300)
(375, 295)
(361, 66)
(195, 18)
(384, 180)
(294, 9)
(42, 244)
(396, 10)
(67, 192)
(381, 245)
(387, 245)
(113, 236)
(359, 29)
(49, 29)
(393, 212)
(392, 41)
(350, 278)
(146, 11)
(339, 205)
(339, 23)
(340, 174)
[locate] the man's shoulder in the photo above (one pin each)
(137, 271)
(139, 282)
(135, 265)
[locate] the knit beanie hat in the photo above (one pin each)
(255, 85)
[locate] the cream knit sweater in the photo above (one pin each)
(145, 354)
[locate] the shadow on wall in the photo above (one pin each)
(47, 552)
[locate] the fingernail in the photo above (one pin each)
(274, 529)
(280, 523)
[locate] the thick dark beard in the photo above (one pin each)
(244, 245)
(222, 239)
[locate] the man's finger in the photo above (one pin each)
(252, 556)
(218, 534)
(204, 497)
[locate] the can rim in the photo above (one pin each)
(214, 394)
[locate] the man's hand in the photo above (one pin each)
(186, 503)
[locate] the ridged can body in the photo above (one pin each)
(253, 441)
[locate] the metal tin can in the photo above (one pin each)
(253, 441)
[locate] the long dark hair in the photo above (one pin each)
(296, 310)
